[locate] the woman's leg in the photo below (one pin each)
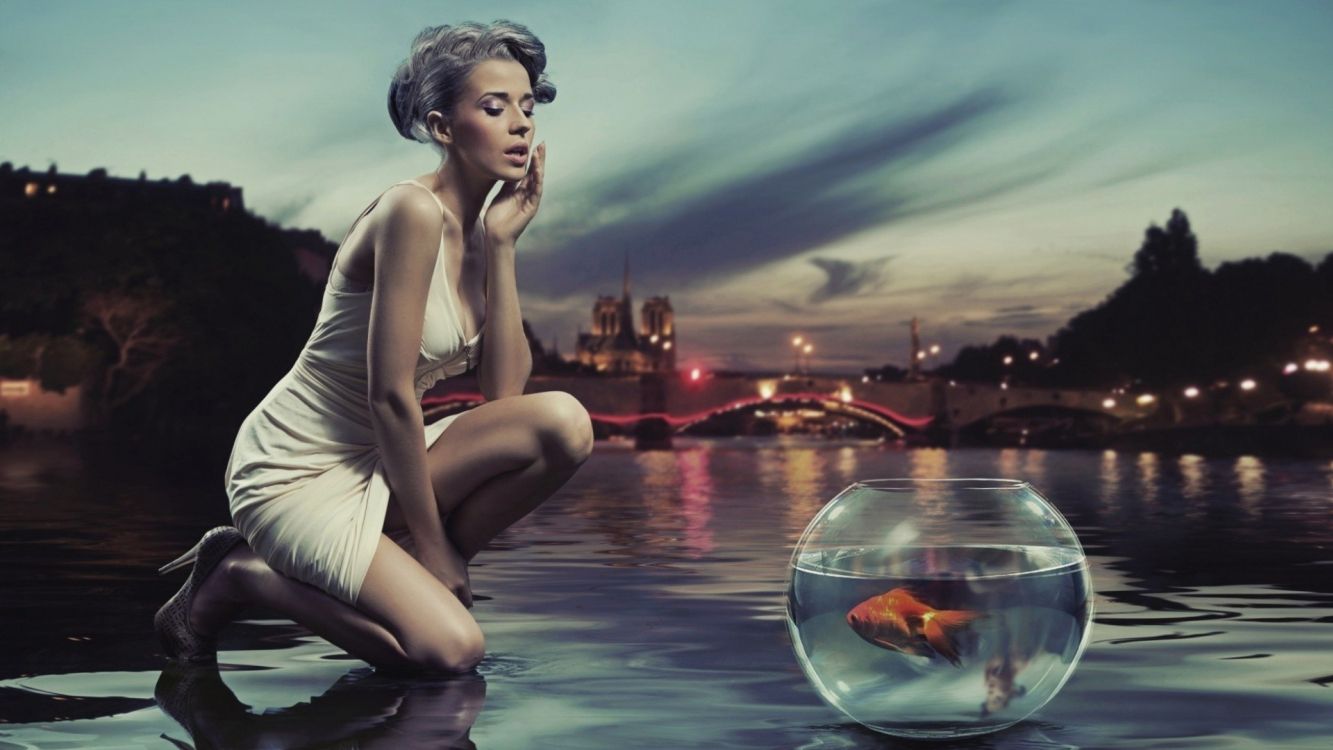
(501, 501)
(244, 578)
(494, 464)
(497, 462)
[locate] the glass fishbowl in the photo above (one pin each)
(938, 608)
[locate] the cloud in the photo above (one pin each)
(1023, 317)
(288, 212)
(754, 216)
(967, 284)
(848, 278)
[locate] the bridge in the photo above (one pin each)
(657, 405)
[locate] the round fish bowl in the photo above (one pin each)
(938, 608)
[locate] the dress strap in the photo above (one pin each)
(438, 202)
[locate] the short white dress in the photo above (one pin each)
(304, 480)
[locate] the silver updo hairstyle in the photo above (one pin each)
(442, 57)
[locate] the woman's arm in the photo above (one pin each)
(506, 359)
(406, 245)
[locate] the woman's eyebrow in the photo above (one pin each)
(505, 95)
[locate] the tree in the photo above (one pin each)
(142, 340)
(1168, 253)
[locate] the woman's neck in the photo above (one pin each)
(461, 191)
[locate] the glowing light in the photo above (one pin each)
(1004, 386)
(1008, 359)
(1191, 392)
(694, 374)
(653, 338)
(766, 390)
(935, 349)
(1247, 384)
(666, 345)
(1314, 329)
(809, 348)
(845, 394)
(796, 341)
(920, 355)
(952, 383)
(1146, 399)
(1290, 368)
(1108, 403)
(30, 189)
(1032, 355)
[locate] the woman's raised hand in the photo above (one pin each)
(516, 203)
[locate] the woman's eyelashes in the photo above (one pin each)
(497, 111)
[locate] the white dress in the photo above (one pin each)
(305, 483)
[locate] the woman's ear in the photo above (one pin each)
(439, 126)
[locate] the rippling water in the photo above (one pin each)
(642, 606)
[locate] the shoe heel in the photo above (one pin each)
(181, 561)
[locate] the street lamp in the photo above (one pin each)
(796, 355)
(808, 348)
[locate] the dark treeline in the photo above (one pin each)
(1174, 323)
(177, 319)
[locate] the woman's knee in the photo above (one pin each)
(453, 649)
(566, 427)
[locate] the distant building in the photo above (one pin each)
(23, 184)
(614, 346)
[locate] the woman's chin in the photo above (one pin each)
(510, 172)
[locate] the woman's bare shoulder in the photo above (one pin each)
(411, 212)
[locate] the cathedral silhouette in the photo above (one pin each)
(614, 345)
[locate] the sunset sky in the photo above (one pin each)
(823, 168)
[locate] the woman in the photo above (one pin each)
(346, 519)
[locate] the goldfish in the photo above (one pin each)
(899, 621)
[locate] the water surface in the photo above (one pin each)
(642, 606)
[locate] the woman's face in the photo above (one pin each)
(493, 115)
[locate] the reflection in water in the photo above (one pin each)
(1148, 477)
(802, 484)
(847, 459)
(1249, 481)
(1108, 481)
(364, 709)
(930, 498)
(929, 463)
(1034, 468)
(696, 497)
(1194, 476)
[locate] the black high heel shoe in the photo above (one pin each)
(172, 621)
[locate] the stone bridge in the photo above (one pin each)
(665, 403)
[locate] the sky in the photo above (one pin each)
(827, 169)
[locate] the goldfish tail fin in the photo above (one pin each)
(940, 628)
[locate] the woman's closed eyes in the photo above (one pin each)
(496, 111)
